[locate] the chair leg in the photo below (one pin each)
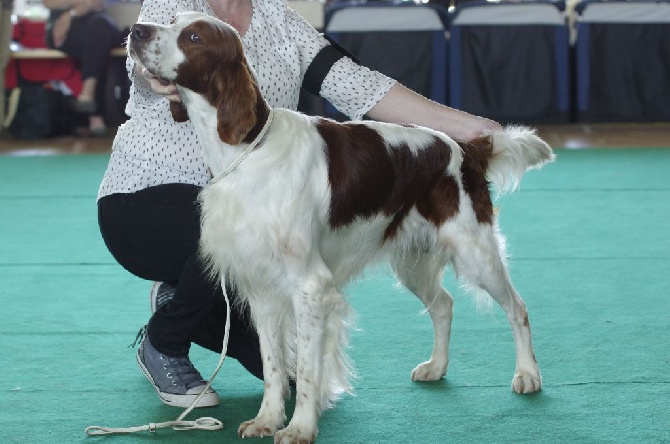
(6, 7)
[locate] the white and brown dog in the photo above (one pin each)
(300, 205)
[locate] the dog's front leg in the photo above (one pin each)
(312, 306)
(271, 415)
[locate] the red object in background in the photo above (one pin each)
(31, 34)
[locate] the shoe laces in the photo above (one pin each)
(184, 371)
(180, 366)
(139, 337)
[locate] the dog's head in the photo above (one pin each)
(202, 54)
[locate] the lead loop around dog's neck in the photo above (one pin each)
(246, 152)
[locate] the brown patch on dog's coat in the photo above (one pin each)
(367, 177)
(476, 155)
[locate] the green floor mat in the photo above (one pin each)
(589, 253)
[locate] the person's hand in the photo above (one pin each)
(161, 86)
(61, 28)
(476, 126)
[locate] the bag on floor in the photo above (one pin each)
(29, 112)
(38, 111)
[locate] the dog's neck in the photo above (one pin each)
(262, 113)
(217, 153)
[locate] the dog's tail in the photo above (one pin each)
(512, 152)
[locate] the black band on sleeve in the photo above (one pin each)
(321, 64)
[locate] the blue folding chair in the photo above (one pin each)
(622, 60)
(510, 60)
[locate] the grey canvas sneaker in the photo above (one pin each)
(176, 381)
(160, 294)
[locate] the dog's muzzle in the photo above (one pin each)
(140, 36)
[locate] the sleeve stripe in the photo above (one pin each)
(320, 66)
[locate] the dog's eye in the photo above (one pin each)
(194, 37)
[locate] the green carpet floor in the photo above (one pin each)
(590, 254)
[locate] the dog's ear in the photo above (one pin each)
(236, 96)
(178, 110)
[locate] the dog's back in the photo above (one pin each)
(393, 188)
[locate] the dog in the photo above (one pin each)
(299, 206)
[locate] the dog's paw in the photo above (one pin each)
(257, 428)
(293, 435)
(429, 371)
(526, 382)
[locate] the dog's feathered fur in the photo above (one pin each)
(316, 201)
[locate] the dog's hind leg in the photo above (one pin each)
(480, 263)
(422, 274)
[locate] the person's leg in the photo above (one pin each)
(102, 35)
(172, 327)
(154, 234)
(243, 343)
(89, 41)
(88, 88)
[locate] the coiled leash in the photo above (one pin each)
(203, 423)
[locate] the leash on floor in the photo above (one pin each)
(203, 423)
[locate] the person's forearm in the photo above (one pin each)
(80, 7)
(60, 4)
(402, 105)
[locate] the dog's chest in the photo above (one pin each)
(263, 207)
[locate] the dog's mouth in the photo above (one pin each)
(147, 72)
(162, 80)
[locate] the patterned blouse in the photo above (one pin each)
(152, 149)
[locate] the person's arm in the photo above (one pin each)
(404, 106)
(59, 4)
(77, 7)
(384, 99)
(357, 91)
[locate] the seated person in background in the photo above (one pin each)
(83, 30)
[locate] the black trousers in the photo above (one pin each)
(154, 233)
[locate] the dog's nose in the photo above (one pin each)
(139, 31)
